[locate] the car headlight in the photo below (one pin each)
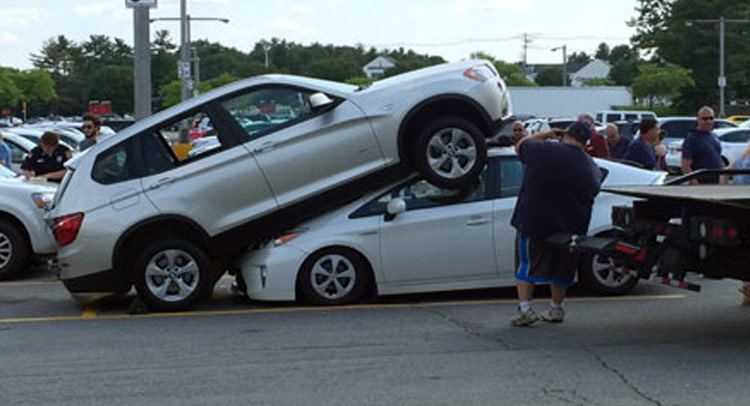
(43, 200)
(286, 237)
(479, 73)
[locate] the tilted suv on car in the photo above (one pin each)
(132, 211)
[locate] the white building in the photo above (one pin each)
(596, 69)
(377, 67)
(557, 101)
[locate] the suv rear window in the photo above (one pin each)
(115, 164)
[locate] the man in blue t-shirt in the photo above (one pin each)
(560, 182)
(702, 149)
(641, 150)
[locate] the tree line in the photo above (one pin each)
(671, 61)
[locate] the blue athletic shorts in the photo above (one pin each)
(541, 262)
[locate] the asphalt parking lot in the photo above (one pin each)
(657, 346)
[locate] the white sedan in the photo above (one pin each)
(415, 237)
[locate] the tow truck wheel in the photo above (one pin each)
(602, 275)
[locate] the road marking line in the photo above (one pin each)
(301, 309)
(31, 283)
(90, 312)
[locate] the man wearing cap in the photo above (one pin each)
(560, 182)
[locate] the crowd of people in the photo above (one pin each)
(564, 172)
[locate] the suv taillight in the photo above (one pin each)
(66, 228)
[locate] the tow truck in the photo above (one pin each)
(676, 229)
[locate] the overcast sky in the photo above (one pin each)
(449, 28)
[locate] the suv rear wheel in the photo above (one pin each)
(451, 152)
(172, 274)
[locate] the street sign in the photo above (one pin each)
(722, 81)
(183, 70)
(140, 3)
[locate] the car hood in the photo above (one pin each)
(21, 185)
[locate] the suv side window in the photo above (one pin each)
(268, 109)
(737, 136)
(116, 164)
(678, 129)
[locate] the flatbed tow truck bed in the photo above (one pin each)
(676, 229)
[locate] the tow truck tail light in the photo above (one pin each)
(65, 228)
(719, 231)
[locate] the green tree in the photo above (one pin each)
(625, 62)
(35, 86)
(661, 82)
(599, 82)
(666, 30)
(550, 77)
(579, 57)
(602, 52)
(10, 94)
(511, 73)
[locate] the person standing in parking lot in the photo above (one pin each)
(618, 144)
(5, 156)
(642, 150)
(702, 149)
(597, 146)
(91, 126)
(47, 159)
(560, 182)
(518, 131)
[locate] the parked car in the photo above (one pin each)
(35, 135)
(613, 116)
(415, 237)
(129, 211)
(627, 129)
(738, 118)
(24, 235)
(20, 147)
(676, 129)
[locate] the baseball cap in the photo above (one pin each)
(580, 131)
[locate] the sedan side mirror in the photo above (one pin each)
(395, 206)
(320, 102)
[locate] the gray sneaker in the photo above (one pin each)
(525, 319)
(553, 315)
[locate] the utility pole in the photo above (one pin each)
(142, 57)
(722, 80)
(525, 51)
(564, 65)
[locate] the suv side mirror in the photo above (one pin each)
(320, 102)
(395, 206)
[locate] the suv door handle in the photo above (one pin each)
(265, 146)
(159, 183)
(477, 222)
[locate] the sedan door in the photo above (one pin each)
(444, 235)
(510, 170)
(302, 151)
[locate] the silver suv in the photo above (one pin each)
(137, 208)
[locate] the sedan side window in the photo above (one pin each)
(511, 177)
(420, 194)
(16, 153)
(268, 109)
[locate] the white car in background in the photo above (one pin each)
(733, 141)
(415, 237)
(132, 211)
(24, 235)
(19, 146)
(676, 129)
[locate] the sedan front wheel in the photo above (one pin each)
(333, 276)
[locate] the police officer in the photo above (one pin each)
(46, 160)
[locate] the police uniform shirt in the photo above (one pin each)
(41, 163)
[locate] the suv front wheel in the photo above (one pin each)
(172, 274)
(451, 152)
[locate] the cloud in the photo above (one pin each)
(8, 38)
(281, 27)
(19, 16)
(101, 9)
(489, 5)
